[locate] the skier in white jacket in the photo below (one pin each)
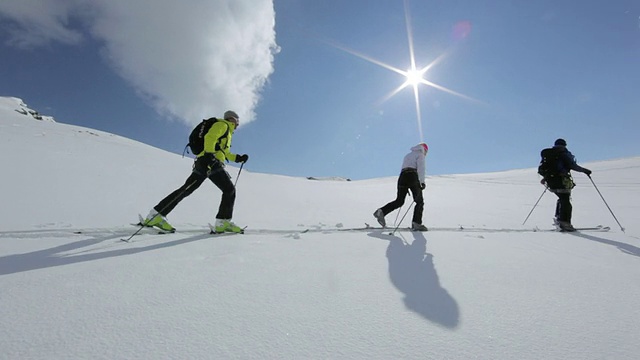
(411, 178)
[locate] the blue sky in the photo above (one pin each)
(520, 75)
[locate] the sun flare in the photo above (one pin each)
(414, 77)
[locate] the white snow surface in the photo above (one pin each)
(70, 289)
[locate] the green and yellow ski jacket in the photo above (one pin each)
(218, 141)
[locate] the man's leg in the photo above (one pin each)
(416, 191)
(223, 181)
(166, 205)
(403, 189)
(564, 207)
(398, 202)
(157, 215)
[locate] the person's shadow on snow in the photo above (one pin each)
(625, 248)
(412, 271)
(55, 256)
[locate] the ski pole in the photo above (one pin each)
(135, 233)
(536, 204)
(405, 214)
(237, 177)
(399, 211)
(395, 222)
(605, 202)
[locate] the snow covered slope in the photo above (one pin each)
(496, 290)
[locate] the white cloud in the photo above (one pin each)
(39, 22)
(190, 59)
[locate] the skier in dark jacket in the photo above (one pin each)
(561, 183)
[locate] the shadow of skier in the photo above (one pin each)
(411, 270)
(54, 256)
(625, 248)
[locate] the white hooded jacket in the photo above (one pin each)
(415, 160)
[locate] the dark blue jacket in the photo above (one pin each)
(567, 161)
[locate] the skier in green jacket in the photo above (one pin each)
(209, 164)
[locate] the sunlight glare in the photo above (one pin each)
(414, 77)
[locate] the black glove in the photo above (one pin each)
(587, 171)
(423, 186)
(242, 158)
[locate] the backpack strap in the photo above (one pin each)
(186, 149)
(226, 134)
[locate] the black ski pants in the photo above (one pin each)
(408, 180)
(563, 206)
(561, 186)
(202, 170)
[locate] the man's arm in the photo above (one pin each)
(573, 165)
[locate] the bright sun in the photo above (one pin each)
(414, 77)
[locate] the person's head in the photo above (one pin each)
(560, 142)
(425, 147)
(232, 116)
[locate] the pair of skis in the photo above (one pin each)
(595, 228)
(158, 231)
(598, 228)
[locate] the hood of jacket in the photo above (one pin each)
(420, 148)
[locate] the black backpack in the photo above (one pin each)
(549, 163)
(196, 138)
